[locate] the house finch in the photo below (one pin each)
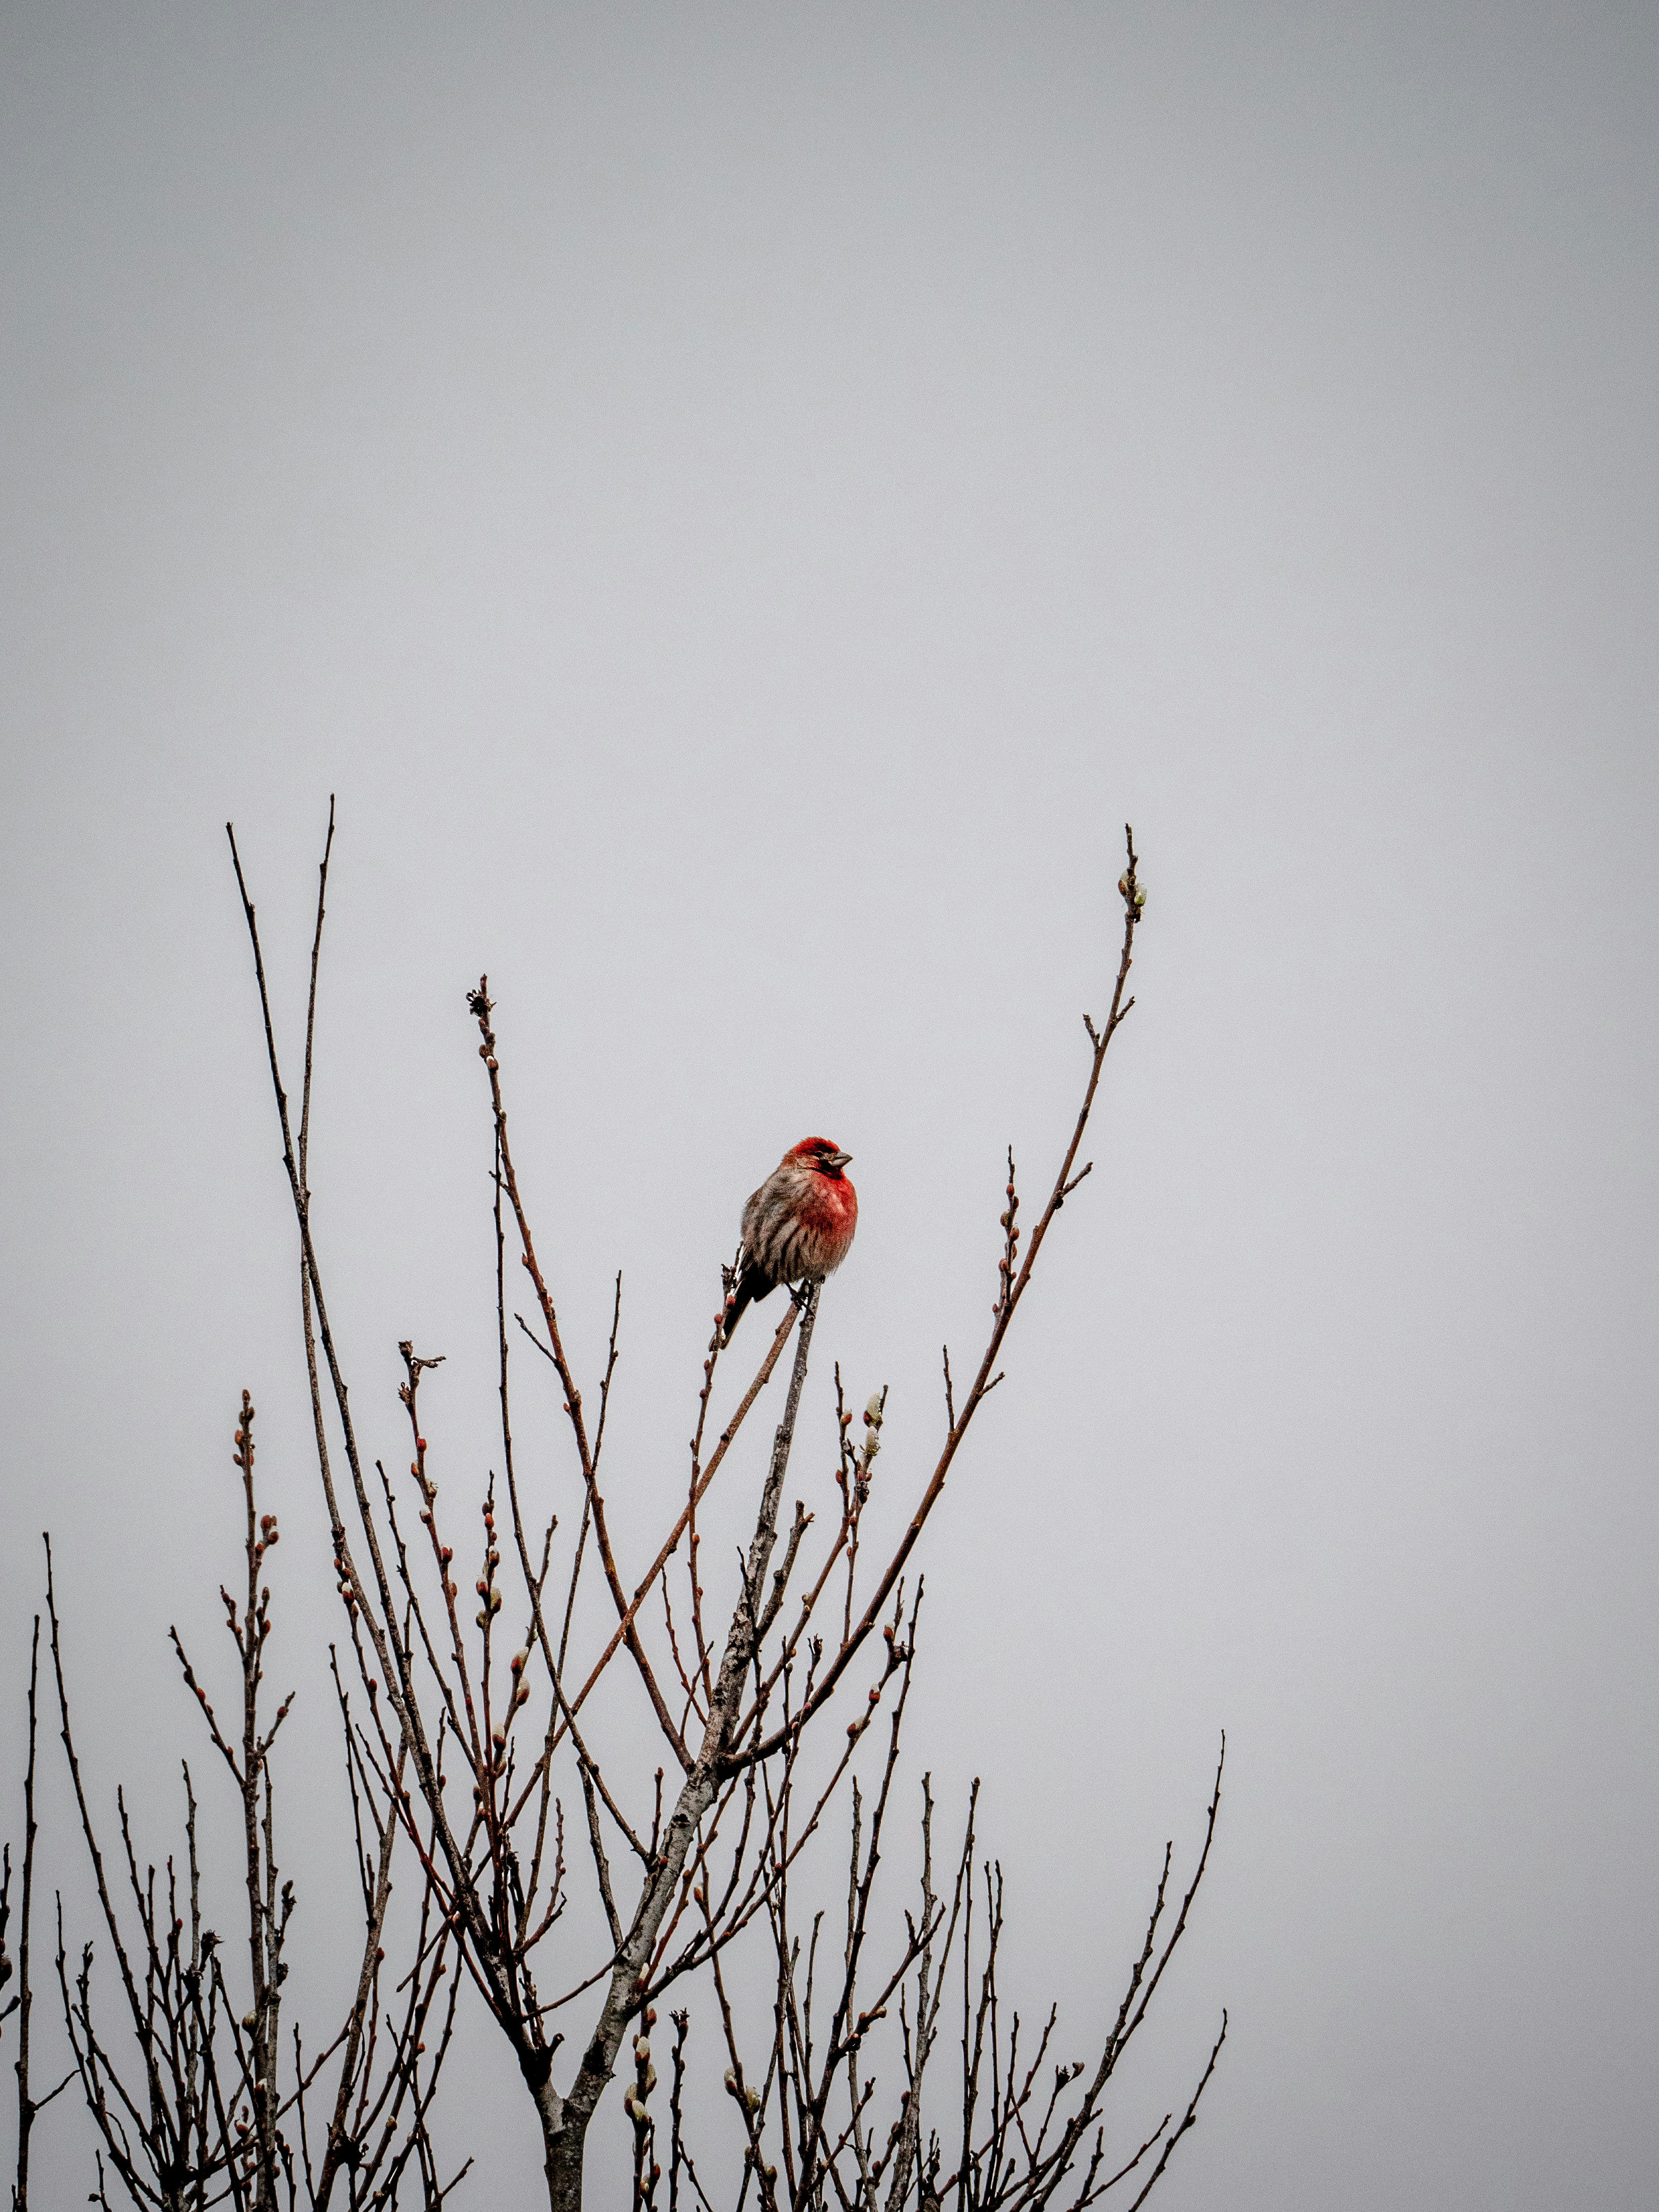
(797, 1224)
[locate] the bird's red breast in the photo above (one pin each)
(830, 1213)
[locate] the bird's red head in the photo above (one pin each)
(819, 1153)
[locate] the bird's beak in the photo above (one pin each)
(839, 1159)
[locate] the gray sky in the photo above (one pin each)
(741, 504)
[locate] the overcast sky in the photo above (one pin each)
(741, 504)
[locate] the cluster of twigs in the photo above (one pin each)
(211, 2114)
(473, 1734)
(1031, 2132)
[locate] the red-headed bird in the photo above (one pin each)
(797, 1225)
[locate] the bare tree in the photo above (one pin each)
(212, 2115)
(20, 2005)
(466, 1749)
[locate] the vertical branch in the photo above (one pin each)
(27, 2107)
(711, 1358)
(629, 1979)
(909, 2131)
(260, 1866)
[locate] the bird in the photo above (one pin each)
(798, 1226)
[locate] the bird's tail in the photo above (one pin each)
(753, 1285)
